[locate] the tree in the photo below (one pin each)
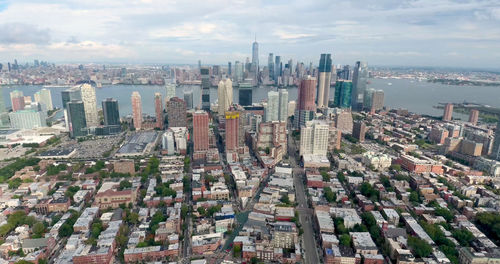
(414, 197)
(419, 247)
(445, 213)
(345, 240)
(284, 199)
(133, 218)
(38, 229)
(396, 167)
(66, 230)
(464, 237)
(237, 251)
(125, 184)
(341, 176)
(330, 196)
(326, 176)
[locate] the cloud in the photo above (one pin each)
(19, 33)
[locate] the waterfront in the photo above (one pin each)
(418, 97)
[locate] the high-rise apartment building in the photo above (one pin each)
(377, 101)
(77, 119)
(176, 112)
(158, 111)
(314, 138)
(137, 110)
(283, 105)
(359, 131)
(229, 69)
(270, 66)
(200, 130)
(205, 89)
(17, 100)
(359, 79)
(44, 97)
(225, 94)
(277, 69)
(232, 130)
(325, 74)
(448, 112)
(111, 112)
(343, 90)
(238, 71)
(90, 103)
(305, 101)
(272, 108)
(474, 116)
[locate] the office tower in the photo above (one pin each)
(199, 64)
(367, 98)
(225, 93)
(205, 89)
(229, 70)
(188, 98)
(90, 103)
(28, 119)
(170, 91)
(137, 110)
(255, 59)
(305, 101)
(71, 94)
(270, 66)
(283, 105)
(176, 112)
(111, 112)
(359, 131)
(200, 130)
(377, 101)
(232, 130)
(359, 79)
(345, 73)
(77, 120)
(277, 69)
(474, 116)
(343, 92)
(325, 73)
(272, 108)
(245, 94)
(495, 153)
(44, 97)
(238, 71)
(448, 112)
(17, 100)
(314, 138)
(158, 111)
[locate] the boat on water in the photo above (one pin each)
(389, 84)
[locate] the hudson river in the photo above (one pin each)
(418, 97)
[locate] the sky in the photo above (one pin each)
(454, 33)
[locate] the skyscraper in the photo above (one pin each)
(343, 94)
(176, 110)
(205, 89)
(71, 94)
(232, 130)
(90, 103)
(270, 66)
(77, 120)
(238, 71)
(245, 94)
(325, 73)
(377, 102)
(158, 111)
(448, 112)
(170, 91)
(272, 108)
(255, 59)
(495, 153)
(359, 131)
(111, 112)
(305, 102)
(229, 70)
(200, 130)
(17, 100)
(44, 98)
(137, 110)
(28, 119)
(283, 105)
(225, 94)
(188, 98)
(359, 79)
(277, 69)
(474, 116)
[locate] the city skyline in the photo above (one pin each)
(417, 33)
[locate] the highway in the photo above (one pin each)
(305, 213)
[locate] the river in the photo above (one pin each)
(418, 97)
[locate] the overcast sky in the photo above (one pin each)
(457, 33)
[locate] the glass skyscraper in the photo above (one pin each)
(359, 79)
(111, 112)
(343, 93)
(205, 89)
(77, 121)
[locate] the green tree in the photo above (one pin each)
(125, 184)
(330, 196)
(419, 247)
(345, 240)
(38, 229)
(464, 237)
